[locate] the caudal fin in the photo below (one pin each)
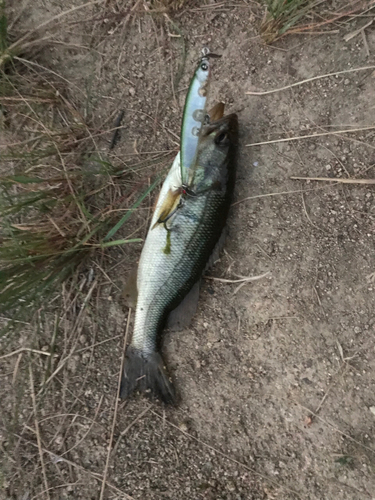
(146, 374)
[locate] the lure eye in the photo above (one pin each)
(204, 65)
(220, 139)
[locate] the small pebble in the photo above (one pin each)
(183, 427)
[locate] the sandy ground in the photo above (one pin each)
(276, 380)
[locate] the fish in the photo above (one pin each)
(194, 115)
(176, 253)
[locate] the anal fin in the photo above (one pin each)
(181, 317)
(217, 250)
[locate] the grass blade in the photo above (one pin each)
(119, 242)
(122, 221)
(3, 28)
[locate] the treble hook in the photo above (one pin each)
(187, 191)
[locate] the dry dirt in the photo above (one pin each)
(276, 381)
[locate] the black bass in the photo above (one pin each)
(177, 249)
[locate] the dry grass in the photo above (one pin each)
(171, 5)
(65, 201)
(58, 198)
(52, 209)
(284, 17)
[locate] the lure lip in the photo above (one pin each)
(206, 54)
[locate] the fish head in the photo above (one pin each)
(216, 158)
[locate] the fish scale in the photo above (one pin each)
(177, 250)
(177, 271)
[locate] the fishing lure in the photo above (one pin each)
(194, 116)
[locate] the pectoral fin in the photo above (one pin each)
(169, 205)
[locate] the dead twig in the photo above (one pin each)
(353, 34)
(335, 179)
(308, 216)
(83, 349)
(24, 349)
(310, 136)
(129, 427)
(242, 279)
(365, 44)
(231, 459)
(37, 432)
(52, 489)
(115, 410)
(281, 193)
(319, 77)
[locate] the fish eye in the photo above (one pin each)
(221, 138)
(204, 65)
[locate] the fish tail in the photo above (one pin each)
(146, 373)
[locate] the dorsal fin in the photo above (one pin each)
(216, 112)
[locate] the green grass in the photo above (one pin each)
(58, 205)
(283, 15)
(46, 232)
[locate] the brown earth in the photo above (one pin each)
(276, 380)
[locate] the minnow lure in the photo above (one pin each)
(178, 193)
(194, 116)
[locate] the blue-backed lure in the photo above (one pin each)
(194, 116)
